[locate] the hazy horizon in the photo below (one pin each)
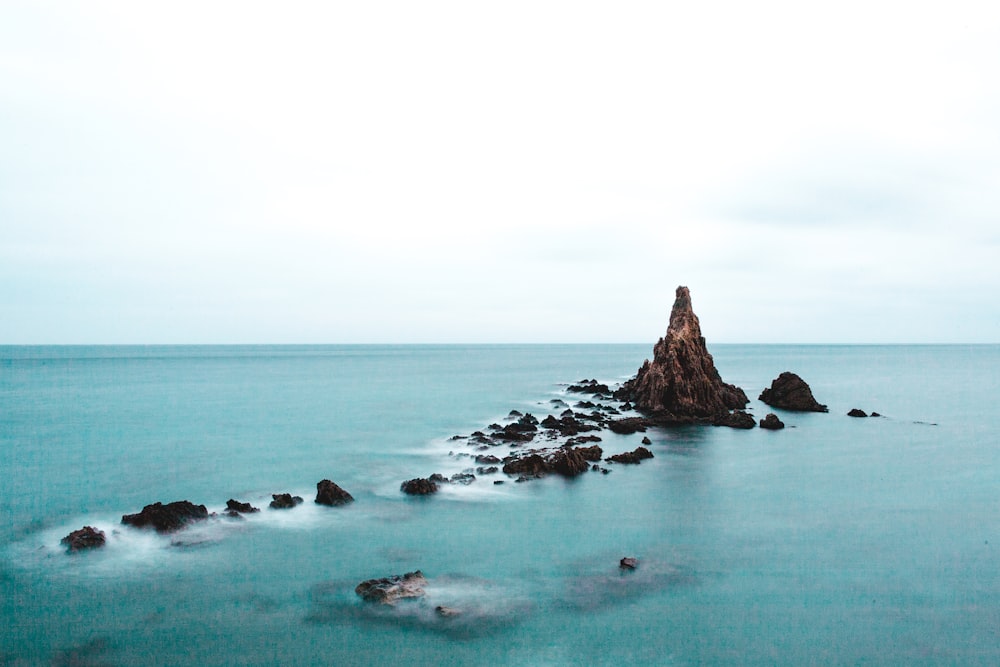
(544, 172)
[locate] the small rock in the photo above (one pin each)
(167, 518)
(790, 392)
(446, 612)
(328, 493)
(857, 413)
(418, 487)
(284, 501)
(87, 537)
(646, 440)
(236, 507)
(635, 456)
(771, 422)
(389, 589)
(628, 563)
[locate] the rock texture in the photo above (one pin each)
(389, 589)
(420, 486)
(167, 518)
(284, 501)
(771, 422)
(87, 537)
(681, 384)
(328, 493)
(790, 392)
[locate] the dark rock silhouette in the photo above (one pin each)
(771, 422)
(388, 590)
(569, 462)
(532, 465)
(736, 419)
(418, 487)
(681, 384)
(855, 412)
(87, 537)
(234, 508)
(628, 563)
(328, 493)
(790, 392)
(284, 501)
(167, 518)
(635, 456)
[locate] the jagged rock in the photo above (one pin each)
(736, 419)
(167, 518)
(592, 453)
(628, 563)
(589, 387)
(487, 459)
(388, 590)
(87, 537)
(568, 462)
(284, 501)
(580, 439)
(771, 422)
(438, 478)
(514, 414)
(790, 392)
(328, 493)
(646, 440)
(855, 412)
(681, 384)
(635, 456)
(628, 425)
(532, 465)
(418, 487)
(236, 507)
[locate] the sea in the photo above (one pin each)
(835, 541)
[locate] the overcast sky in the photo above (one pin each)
(347, 172)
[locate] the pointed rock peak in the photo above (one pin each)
(681, 384)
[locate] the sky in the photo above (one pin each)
(510, 172)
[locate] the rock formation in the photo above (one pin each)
(284, 501)
(681, 384)
(87, 537)
(857, 412)
(635, 456)
(790, 392)
(328, 493)
(389, 589)
(236, 507)
(771, 422)
(420, 486)
(167, 518)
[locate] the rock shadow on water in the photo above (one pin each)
(456, 607)
(615, 585)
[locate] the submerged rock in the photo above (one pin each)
(236, 509)
(790, 392)
(87, 537)
(167, 518)
(771, 422)
(681, 383)
(388, 590)
(284, 501)
(418, 487)
(736, 419)
(328, 493)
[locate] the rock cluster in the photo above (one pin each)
(167, 518)
(681, 384)
(790, 392)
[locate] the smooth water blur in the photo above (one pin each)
(834, 541)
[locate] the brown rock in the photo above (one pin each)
(681, 384)
(167, 518)
(389, 589)
(771, 422)
(328, 493)
(87, 537)
(418, 487)
(635, 456)
(790, 392)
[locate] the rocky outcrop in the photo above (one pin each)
(388, 590)
(857, 412)
(284, 501)
(771, 422)
(569, 462)
(532, 465)
(635, 456)
(790, 392)
(736, 419)
(167, 518)
(418, 487)
(328, 493)
(681, 384)
(87, 537)
(236, 507)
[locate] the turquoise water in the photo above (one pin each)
(835, 541)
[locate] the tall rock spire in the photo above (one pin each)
(681, 384)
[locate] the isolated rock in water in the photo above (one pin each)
(284, 501)
(681, 384)
(328, 493)
(790, 392)
(167, 518)
(87, 537)
(635, 456)
(771, 422)
(235, 506)
(628, 563)
(646, 440)
(735, 419)
(855, 412)
(418, 487)
(389, 589)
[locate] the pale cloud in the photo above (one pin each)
(312, 172)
